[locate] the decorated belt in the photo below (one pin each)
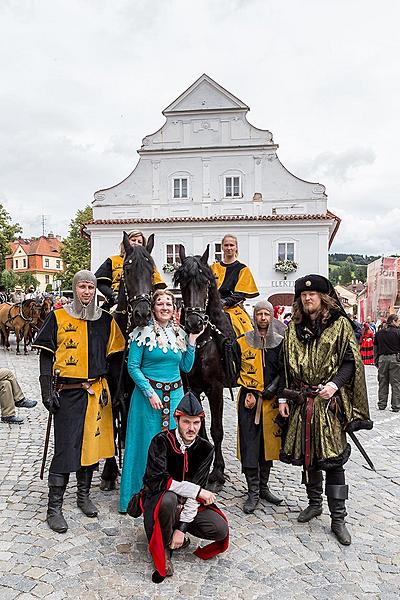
(166, 388)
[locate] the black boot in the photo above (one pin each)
(83, 483)
(55, 518)
(253, 490)
(265, 492)
(337, 496)
(314, 495)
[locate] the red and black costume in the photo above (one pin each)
(171, 466)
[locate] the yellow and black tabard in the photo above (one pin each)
(110, 272)
(83, 424)
(235, 283)
(258, 368)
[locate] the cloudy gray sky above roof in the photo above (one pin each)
(84, 81)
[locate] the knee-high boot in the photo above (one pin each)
(83, 483)
(337, 496)
(253, 490)
(314, 494)
(57, 486)
(265, 492)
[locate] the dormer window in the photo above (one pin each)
(180, 187)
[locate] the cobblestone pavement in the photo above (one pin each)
(271, 556)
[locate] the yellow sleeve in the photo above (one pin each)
(158, 281)
(219, 272)
(246, 284)
(116, 341)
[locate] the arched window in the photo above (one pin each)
(232, 183)
(180, 185)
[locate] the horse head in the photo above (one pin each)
(137, 282)
(194, 277)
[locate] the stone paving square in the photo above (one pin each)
(271, 556)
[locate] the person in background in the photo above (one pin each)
(387, 360)
(235, 283)
(367, 344)
(18, 295)
(12, 396)
(109, 274)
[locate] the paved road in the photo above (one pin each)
(271, 556)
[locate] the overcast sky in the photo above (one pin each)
(82, 82)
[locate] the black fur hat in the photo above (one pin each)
(312, 283)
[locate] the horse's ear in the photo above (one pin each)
(150, 243)
(126, 244)
(182, 253)
(206, 254)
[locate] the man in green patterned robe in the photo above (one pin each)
(323, 363)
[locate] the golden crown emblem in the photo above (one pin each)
(249, 354)
(71, 361)
(71, 344)
(69, 327)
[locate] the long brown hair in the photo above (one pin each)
(328, 305)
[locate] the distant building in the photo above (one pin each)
(348, 295)
(382, 296)
(39, 256)
(207, 172)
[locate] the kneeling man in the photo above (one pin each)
(173, 498)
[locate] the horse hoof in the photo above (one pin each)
(107, 485)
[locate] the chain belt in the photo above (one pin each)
(165, 388)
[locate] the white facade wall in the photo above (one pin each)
(205, 138)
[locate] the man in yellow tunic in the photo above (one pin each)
(75, 343)
(235, 283)
(258, 434)
(109, 274)
(324, 370)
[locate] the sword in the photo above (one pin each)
(361, 449)
(48, 429)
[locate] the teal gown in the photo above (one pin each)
(147, 360)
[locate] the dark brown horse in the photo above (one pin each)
(18, 318)
(133, 310)
(210, 373)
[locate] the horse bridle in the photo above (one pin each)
(132, 302)
(199, 311)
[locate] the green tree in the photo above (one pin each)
(9, 279)
(28, 279)
(75, 251)
(8, 232)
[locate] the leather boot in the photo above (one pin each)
(83, 483)
(314, 495)
(337, 496)
(57, 486)
(265, 492)
(253, 490)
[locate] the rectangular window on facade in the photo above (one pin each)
(16, 263)
(181, 187)
(232, 187)
(47, 263)
(47, 279)
(58, 264)
(217, 251)
(286, 251)
(172, 254)
(24, 262)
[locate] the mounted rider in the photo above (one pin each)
(109, 274)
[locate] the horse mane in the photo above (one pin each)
(195, 272)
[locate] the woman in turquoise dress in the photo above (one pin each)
(157, 354)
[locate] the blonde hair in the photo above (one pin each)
(232, 237)
(132, 234)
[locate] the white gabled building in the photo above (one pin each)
(207, 172)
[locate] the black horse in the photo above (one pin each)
(133, 310)
(210, 374)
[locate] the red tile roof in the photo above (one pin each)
(304, 217)
(41, 246)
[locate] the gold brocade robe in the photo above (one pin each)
(313, 362)
(251, 378)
